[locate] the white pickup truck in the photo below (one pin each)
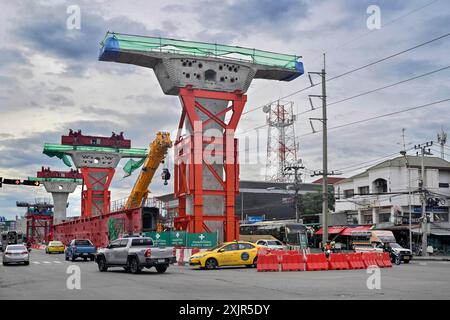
(133, 254)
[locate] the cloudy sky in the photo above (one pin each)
(51, 80)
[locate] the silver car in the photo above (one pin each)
(16, 253)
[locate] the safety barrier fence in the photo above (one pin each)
(292, 260)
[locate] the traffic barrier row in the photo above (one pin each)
(293, 261)
(317, 261)
(355, 261)
(338, 261)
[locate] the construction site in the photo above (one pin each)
(165, 158)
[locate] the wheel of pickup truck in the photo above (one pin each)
(92, 258)
(101, 262)
(211, 264)
(73, 258)
(134, 265)
(161, 268)
(84, 258)
(67, 258)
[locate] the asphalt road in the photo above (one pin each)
(46, 277)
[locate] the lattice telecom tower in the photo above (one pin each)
(281, 143)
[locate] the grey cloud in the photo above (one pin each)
(59, 100)
(44, 29)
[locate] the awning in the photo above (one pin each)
(348, 231)
(331, 230)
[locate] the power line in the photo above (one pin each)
(378, 89)
(380, 116)
(384, 25)
(353, 70)
(362, 94)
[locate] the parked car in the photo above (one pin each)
(16, 253)
(54, 247)
(80, 248)
(236, 253)
(135, 253)
(271, 244)
(397, 252)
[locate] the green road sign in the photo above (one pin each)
(183, 239)
(201, 240)
(159, 238)
(178, 238)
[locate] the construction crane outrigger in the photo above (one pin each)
(157, 152)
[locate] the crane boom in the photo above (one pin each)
(157, 152)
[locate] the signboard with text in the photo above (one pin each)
(201, 240)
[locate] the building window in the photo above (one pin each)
(367, 219)
(363, 190)
(443, 185)
(441, 217)
(380, 185)
(384, 217)
(348, 193)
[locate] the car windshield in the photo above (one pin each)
(16, 247)
(274, 243)
(215, 248)
(55, 243)
(395, 245)
(83, 243)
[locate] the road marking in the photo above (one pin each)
(36, 262)
(57, 261)
(46, 262)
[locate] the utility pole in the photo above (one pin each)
(403, 153)
(297, 181)
(324, 171)
(424, 151)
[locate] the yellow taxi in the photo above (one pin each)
(55, 247)
(236, 253)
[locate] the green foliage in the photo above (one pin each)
(311, 202)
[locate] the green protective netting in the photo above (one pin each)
(59, 155)
(166, 45)
(116, 227)
(132, 165)
(55, 179)
(53, 149)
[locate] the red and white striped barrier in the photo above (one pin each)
(38, 246)
(184, 254)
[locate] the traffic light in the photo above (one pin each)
(31, 183)
(11, 181)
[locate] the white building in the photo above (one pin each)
(380, 196)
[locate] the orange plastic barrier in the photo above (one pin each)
(379, 259)
(386, 259)
(279, 254)
(267, 262)
(292, 262)
(355, 260)
(370, 259)
(316, 261)
(338, 261)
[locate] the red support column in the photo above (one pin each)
(190, 150)
(97, 182)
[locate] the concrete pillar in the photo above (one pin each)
(360, 217)
(60, 192)
(375, 219)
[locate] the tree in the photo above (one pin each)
(311, 202)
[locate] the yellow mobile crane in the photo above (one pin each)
(157, 152)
